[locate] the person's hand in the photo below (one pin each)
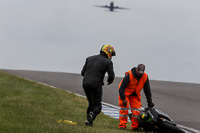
(124, 102)
(108, 83)
(150, 105)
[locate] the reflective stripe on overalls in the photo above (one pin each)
(124, 115)
(136, 110)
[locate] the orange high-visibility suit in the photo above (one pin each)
(129, 89)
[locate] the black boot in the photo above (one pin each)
(89, 120)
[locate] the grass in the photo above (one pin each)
(29, 107)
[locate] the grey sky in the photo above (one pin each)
(57, 35)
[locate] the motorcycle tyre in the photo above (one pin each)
(173, 128)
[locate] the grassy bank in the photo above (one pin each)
(29, 107)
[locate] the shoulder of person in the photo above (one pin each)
(92, 56)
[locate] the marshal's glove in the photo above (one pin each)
(150, 104)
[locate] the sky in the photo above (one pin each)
(58, 35)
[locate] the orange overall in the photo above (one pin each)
(134, 101)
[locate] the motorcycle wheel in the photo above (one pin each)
(173, 128)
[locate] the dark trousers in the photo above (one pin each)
(94, 97)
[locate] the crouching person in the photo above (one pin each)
(129, 94)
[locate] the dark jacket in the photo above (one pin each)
(146, 88)
(94, 70)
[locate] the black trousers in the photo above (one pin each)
(94, 97)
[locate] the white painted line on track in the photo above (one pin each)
(191, 130)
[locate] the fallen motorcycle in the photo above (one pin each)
(153, 120)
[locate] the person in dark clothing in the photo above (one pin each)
(93, 73)
(129, 94)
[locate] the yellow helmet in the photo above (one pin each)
(108, 50)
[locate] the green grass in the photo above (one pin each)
(29, 107)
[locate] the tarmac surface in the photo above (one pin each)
(181, 101)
